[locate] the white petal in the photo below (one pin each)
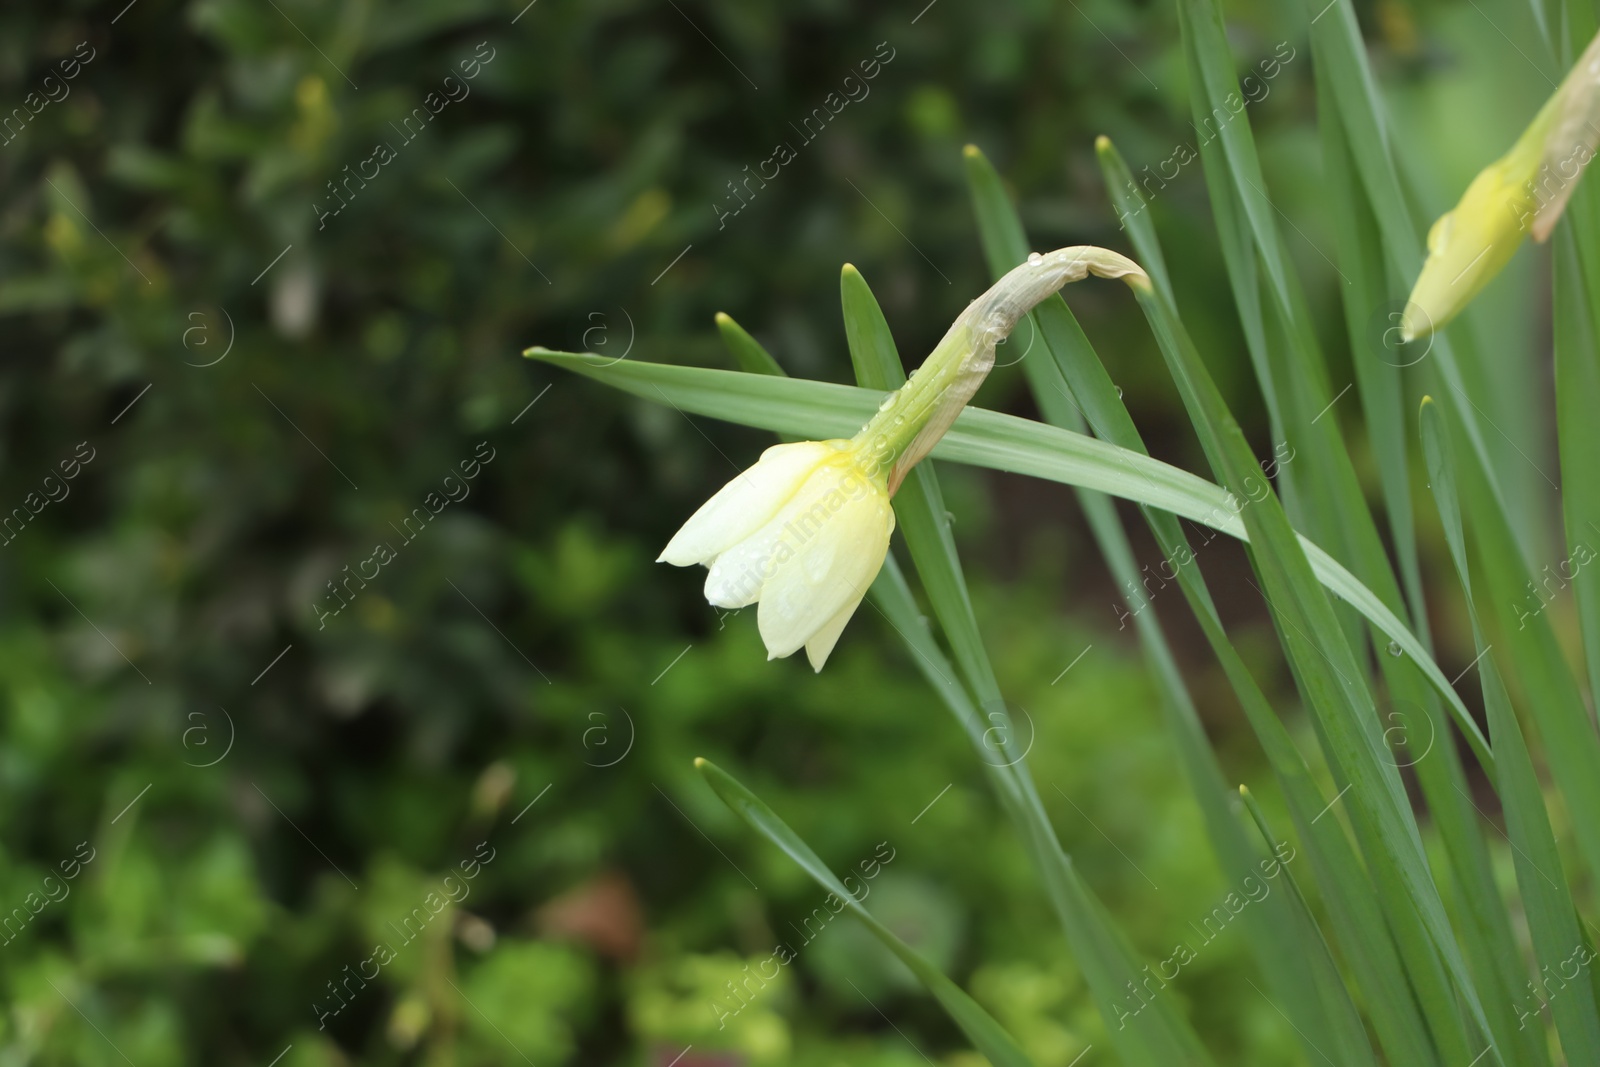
(740, 571)
(821, 644)
(735, 579)
(833, 568)
(745, 504)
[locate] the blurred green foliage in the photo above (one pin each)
(271, 788)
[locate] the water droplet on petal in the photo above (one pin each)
(817, 563)
(888, 401)
(1394, 648)
(1034, 257)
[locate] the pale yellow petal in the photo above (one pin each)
(745, 504)
(821, 644)
(832, 569)
(740, 571)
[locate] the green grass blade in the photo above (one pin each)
(1353, 1046)
(1107, 961)
(1351, 897)
(1577, 397)
(1555, 701)
(1558, 940)
(1330, 498)
(986, 1035)
(1378, 377)
(1482, 923)
(750, 354)
(919, 505)
(1074, 376)
(1333, 681)
(820, 410)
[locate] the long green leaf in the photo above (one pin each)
(1074, 376)
(1482, 920)
(1558, 940)
(820, 410)
(1556, 702)
(1352, 900)
(1156, 1037)
(1324, 666)
(986, 1035)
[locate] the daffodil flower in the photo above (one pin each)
(804, 532)
(1524, 191)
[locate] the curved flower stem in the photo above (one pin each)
(915, 416)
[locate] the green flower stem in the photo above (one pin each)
(914, 417)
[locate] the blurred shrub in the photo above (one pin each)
(271, 390)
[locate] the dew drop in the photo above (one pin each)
(1394, 649)
(888, 401)
(1034, 257)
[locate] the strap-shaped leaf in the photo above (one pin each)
(821, 410)
(1071, 386)
(1534, 655)
(1157, 1037)
(986, 1035)
(1558, 939)
(1326, 670)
